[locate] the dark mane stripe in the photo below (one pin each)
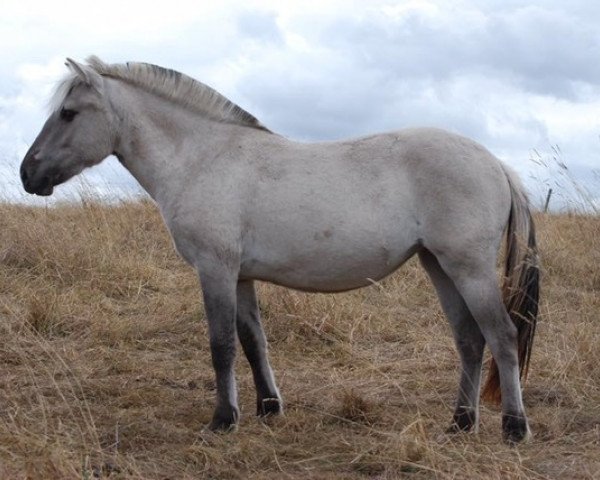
(170, 84)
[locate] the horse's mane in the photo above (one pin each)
(166, 83)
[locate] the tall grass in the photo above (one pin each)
(105, 368)
(569, 192)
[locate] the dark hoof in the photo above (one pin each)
(515, 429)
(269, 406)
(464, 420)
(224, 419)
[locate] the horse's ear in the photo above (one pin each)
(88, 75)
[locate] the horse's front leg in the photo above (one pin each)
(219, 291)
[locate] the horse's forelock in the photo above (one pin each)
(62, 89)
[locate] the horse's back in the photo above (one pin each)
(429, 175)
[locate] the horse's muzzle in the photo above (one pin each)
(35, 184)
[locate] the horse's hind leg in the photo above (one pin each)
(476, 280)
(469, 343)
(254, 344)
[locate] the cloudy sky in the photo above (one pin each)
(521, 78)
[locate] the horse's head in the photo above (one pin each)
(78, 133)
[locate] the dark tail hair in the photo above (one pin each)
(521, 286)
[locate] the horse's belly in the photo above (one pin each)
(327, 270)
(330, 241)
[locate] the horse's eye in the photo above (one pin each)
(67, 115)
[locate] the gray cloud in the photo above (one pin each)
(543, 49)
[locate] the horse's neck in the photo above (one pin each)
(157, 141)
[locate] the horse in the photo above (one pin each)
(244, 204)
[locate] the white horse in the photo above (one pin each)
(245, 204)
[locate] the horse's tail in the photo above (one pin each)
(520, 288)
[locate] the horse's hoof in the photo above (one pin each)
(224, 420)
(515, 429)
(269, 406)
(463, 421)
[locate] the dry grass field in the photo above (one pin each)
(105, 370)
